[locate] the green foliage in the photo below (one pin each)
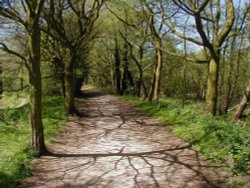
(219, 139)
(15, 155)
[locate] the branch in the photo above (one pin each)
(131, 49)
(241, 24)
(16, 90)
(6, 49)
(120, 19)
(199, 27)
(172, 27)
(191, 12)
(12, 15)
(203, 6)
(229, 22)
(184, 56)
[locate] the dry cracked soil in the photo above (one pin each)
(114, 145)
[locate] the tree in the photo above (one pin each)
(246, 97)
(208, 13)
(117, 69)
(243, 104)
(143, 21)
(60, 24)
(154, 92)
(32, 9)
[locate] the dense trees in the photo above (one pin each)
(150, 49)
(60, 26)
(178, 33)
(56, 13)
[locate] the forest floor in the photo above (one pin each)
(115, 145)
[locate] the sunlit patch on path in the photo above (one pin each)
(114, 145)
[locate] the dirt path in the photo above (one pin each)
(114, 145)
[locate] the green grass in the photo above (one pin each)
(219, 139)
(14, 138)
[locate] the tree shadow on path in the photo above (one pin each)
(116, 146)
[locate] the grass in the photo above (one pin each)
(14, 133)
(219, 139)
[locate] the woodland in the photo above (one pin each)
(184, 62)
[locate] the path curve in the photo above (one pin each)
(114, 145)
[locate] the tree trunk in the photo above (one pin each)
(63, 85)
(59, 66)
(21, 78)
(125, 70)
(158, 76)
(35, 89)
(212, 86)
(1, 80)
(145, 91)
(117, 69)
(184, 86)
(127, 78)
(154, 92)
(243, 104)
(70, 84)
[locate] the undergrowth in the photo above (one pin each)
(15, 155)
(219, 139)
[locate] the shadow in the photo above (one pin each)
(91, 93)
(118, 154)
(152, 161)
(124, 148)
(7, 181)
(76, 112)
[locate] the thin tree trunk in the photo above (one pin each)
(184, 86)
(117, 69)
(35, 89)
(158, 76)
(125, 70)
(145, 91)
(62, 78)
(70, 84)
(1, 80)
(212, 86)
(59, 66)
(243, 104)
(21, 78)
(154, 92)
(152, 86)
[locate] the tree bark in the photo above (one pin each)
(70, 84)
(212, 86)
(35, 86)
(243, 104)
(154, 92)
(117, 69)
(59, 66)
(127, 78)
(125, 70)
(1, 80)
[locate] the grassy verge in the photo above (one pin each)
(14, 138)
(219, 139)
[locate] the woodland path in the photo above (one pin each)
(114, 145)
